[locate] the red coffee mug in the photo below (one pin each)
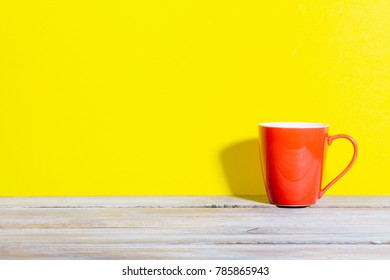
(292, 157)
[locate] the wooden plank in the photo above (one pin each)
(135, 202)
(192, 228)
(158, 237)
(233, 252)
(299, 226)
(345, 201)
(183, 202)
(202, 217)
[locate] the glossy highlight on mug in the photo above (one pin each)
(292, 157)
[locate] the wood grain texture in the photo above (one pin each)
(192, 227)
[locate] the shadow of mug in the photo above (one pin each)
(242, 168)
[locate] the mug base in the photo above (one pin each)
(292, 206)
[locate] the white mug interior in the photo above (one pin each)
(293, 125)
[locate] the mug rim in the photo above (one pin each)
(293, 125)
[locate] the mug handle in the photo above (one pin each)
(355, 151)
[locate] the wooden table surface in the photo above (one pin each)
(193, 227)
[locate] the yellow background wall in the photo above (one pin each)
(164, 97)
